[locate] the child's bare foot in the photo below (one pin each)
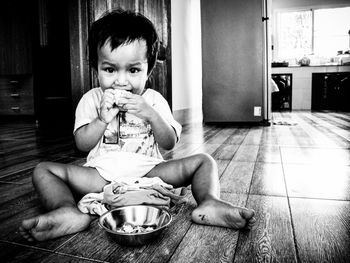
(59, 222)
(217, 212)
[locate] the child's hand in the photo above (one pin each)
(108, 107)
(118, 94)
(137, 105)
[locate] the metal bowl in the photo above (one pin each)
(138, 215)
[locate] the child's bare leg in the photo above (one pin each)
(53, 182)
(201, 171)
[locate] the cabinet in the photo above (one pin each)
(16, 95)
(331, 91)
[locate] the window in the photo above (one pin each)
(331, 31)
(294, 34)
(320, 32)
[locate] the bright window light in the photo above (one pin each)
(331, 30)
(294, 34)
(320, 32)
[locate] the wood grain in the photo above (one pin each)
(253, 137)
(271, 239)
(208, 243)
(221, 136)
(322, 229)
(237, 177)
(246, 153)
(237, 136)
(225, 152)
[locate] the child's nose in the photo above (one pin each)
(121, 79)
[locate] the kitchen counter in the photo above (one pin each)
(302, 81)
(323, 65)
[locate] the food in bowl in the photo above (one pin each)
(129, 228)
(135, 225)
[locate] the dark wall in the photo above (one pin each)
(232, 59)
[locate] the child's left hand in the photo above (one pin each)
(137, 105)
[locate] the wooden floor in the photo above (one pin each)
(295, 174)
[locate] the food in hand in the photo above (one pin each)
(128, 228)
(119, 94)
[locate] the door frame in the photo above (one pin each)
(78, 35)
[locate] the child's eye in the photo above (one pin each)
(109, 70)
(134, 70)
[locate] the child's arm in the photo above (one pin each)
(163, 132)
(87, 136)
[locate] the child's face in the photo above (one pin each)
(123, 68)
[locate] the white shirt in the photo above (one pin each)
(128, 133)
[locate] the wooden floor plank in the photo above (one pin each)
(13, 253)
(322, 229)
(315, 155)
(340, 116)
(221, 136)
(324, 134)
(269, 136)
(207, 243)
(253, 136)
(345, 133)
(343, 124)
(222, 166)
(237, 177)
(11, 191)
(319, 181)
(271, 239)
(321, 138)
(285, 137)
(225, 151)
(268, 179)
(238, 136)
(24, 170)
(246, 153)
(269, 154)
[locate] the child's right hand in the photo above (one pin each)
(108, 108)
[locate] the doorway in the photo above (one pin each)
(52, 84)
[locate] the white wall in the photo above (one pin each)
(186, 60)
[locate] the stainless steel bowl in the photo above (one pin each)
(138, 215)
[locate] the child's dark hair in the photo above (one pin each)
(122, 27)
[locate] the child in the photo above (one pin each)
(121, 124)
